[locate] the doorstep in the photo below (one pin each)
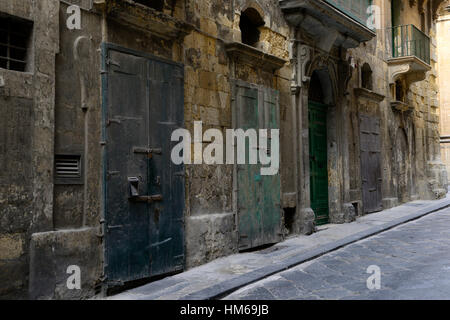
(222, 276)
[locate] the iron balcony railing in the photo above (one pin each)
(356, 9)
(409, 41)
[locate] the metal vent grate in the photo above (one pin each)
(68, 167)
(15, 34)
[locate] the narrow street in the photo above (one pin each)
(200, 150)
(414, 260)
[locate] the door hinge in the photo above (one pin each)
(113, 173)
(147, 150)
(108, 123)
(110, 62)
(115, 283)
(114, 227)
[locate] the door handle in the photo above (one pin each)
(133, 183)
(134, 192)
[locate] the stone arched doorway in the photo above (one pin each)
(318, 155)
(322, 146)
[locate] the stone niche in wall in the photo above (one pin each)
(403, 72)
(139, 16)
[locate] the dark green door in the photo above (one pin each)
(258, 196)
(318, 161)
(143, 189)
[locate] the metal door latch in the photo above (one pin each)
(148, 199)
(133, 182)
(148, 151)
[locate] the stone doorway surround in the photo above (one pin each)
(320, 35)
(333, 74)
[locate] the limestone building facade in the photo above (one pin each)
(89, 109)
(442, 35)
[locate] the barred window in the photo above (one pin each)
(15, 36)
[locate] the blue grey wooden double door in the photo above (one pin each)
(143, 190)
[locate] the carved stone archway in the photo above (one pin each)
(326, 69)
(334, 75)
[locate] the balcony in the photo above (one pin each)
(408, 41)
(333, 22)
(410, 54)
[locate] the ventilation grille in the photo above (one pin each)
(68, 167)
(15, 37)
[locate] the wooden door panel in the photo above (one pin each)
(371, 163)
(271, 189)
(127, 122)
(166, 91)
(258, 197)
(144, 105)
(318, 162)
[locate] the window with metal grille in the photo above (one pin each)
(15, 36)
(68, 169)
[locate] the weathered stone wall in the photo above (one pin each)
(210, 218)
(419, 164)
(47, 226)
(428, 177)
(373, 53)
(443, 45)
(77, 130)
(76, 207)
(210, 221)
(27, 113)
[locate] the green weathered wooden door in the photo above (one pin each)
(318, 161)
(271, 184)
(143, 189)
(258, 196)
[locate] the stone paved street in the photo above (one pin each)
(414, 259)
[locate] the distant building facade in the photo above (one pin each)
(88, 112)
(443, 33)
